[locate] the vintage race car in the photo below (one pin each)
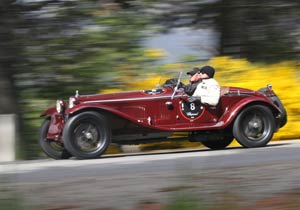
(88, 124)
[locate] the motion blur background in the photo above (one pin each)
(51, 48)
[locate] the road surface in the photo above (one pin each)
(259, 178)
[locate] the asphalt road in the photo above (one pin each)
(251, 178)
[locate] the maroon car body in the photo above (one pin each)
(90, 123)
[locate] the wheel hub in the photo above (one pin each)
(88, 136)
(86, 140)
(255, 127)
(255, 124)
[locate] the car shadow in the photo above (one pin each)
(184, 150)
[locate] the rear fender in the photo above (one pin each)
(229, 115)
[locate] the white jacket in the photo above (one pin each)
(209, 91)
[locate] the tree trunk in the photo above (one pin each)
(8, 58)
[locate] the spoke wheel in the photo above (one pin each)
(87, 135)
(254, 126)
(52, 148)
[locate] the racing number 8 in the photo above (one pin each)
(191, 110)
(192, 106)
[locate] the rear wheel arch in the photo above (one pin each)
(230, 121)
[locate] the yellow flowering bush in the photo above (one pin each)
(284, 77)
(155, 53)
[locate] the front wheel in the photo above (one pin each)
(87, 135)
(52, 148)
(254, 126)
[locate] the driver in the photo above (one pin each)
(208, 89)
(194, 81)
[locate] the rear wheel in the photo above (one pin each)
(52, 148)
(87, 135)
(254, 126)
(218, 144)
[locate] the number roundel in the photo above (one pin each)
(191, 110)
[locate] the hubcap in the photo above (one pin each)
(87, 137)
(254, 126)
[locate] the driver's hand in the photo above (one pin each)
(180, 90)
(193, 99)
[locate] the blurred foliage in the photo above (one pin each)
(265, 31)
(284, 76)
(228, 201)
(184, 203)
(74, 45)
(49, 49)
(10, 199)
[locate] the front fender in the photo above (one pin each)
(49, 112)
(229, 116)
(57, 122)
(85, 107)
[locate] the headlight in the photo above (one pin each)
(60, 106)
(72, 102)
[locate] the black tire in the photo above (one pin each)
(52, 148)
(87, 135)
(254, 126)
(218, 144)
